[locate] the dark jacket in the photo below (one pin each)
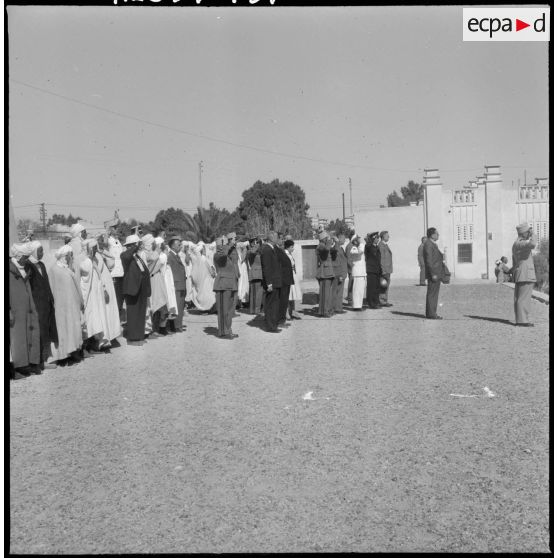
(44, 301)
(373, 258)
(271, 267)
(433, 259)
(227, 271)
(385, 258)
(178, 271)
(340, 267)
(326, 253)
(134, 276)
(254, 264)
(287, 278)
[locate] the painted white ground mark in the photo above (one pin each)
(487, 393)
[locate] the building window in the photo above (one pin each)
(464, 233)
(541, 229)
(465, 253)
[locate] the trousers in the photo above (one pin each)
(326, 297)
(271, 308)
(373, 290)
(384, 291)
(225, 303)
(432, 293)
(522, 301)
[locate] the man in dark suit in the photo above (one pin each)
(373, 270)
(136, 288)
(433, 262)
(386, 264)
(271, 281)
(225, 286)
(179, 277)
(287, 280)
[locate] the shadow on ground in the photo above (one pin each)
(489, 319)
(408, 314)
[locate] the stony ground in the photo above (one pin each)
(192, 443)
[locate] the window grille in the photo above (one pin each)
(465, 253)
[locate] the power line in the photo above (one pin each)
(202, 136)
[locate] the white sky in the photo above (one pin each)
(386, 91)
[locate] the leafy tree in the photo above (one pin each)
(60, 219)
(173, 221)
(213, 222)
(413, 192)
(26, 225)
(276, 205)
(340, 227)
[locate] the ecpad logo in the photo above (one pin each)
(506, 24)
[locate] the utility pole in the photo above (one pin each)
(343, 198)
(42, 212)
(525, 177)
(351, 196)
(200, 165)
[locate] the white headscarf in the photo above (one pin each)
(76, 229)
(21, 249)
(61, 253)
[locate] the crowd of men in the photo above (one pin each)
(100, 289)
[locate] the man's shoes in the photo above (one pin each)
(526, 325)
(163, 332)
(375, 307)
(296, 316)
(50, 366)
(269, 330)
(19, 376)
(387, 304)
(135, 343)
(340, 311)
(34, 369)
(434, 318)
(422, 285)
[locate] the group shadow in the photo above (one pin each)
(489, 319)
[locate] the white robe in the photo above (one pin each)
(358, 270)
(113, 316)
(66, 291)
(243, 281)
(296, 292)
(203, 296)
(96, 321)
(169, 284)
(159, 296)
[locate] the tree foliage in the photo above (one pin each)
(25, 227)
(413, 192)
(60, 219)
(340, 227)
(279, 206)
(173, 221)
(213, 222)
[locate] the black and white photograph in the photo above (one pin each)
(278, 278)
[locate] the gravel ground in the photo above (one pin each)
(192, 443)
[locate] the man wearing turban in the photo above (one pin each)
(79, 234)
(523, 273)
(68, 301)
(44, 301)
(25, 343)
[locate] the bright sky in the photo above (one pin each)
(313, 95)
